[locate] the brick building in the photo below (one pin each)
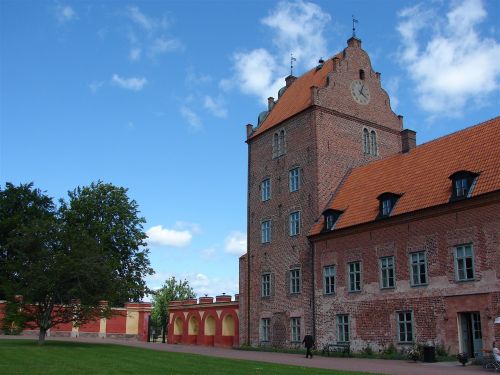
(354, 233)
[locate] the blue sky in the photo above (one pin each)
(155, 96)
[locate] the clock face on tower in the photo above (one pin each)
(360, 92)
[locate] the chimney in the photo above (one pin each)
(249, 129)
(289, 80)
(408, 140)
(270, 103)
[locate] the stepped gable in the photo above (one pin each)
(297, 97)
(421, 176)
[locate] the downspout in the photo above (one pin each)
(313, 292)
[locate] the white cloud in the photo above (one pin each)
(236, 243)
(158, 235)
(392, 89)
(94, 86)
(135, 54)
(296, 27)
(141, 19)
(215, 106)
(162, 45)
(133, 83)
(452, 65)
(65, 14)
(202, 284)
(191, 117)
(192, 227)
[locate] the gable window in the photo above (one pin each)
(418, 268)
(294, 179)
(366, 141)
(405, 326)
(266, 231)
(295, 329)
(265, 190)
(361, 74)
(354, 276)
(387, 272)
(265, 329)
(295, 223)
(279, 143)
(331, 217)
(282, 143)
(464, 262)
(266, 285)
(343, 328)
(373, 143)
(387, 202)
(462, 184)
(276, 146)
(295, 281)
(329, 279)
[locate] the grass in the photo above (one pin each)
(58, 357)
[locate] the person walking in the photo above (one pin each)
(308, 343)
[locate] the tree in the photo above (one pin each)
(172, 290)
(64, 262)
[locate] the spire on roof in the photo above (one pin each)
(354, 22)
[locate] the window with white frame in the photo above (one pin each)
(265, 329)
(294, 179)
(266, 231)
(418, 268)
(265, 190)
(387, 272)
(343, 328)
(464, 262)
(266, 285)
(295, 329)
(329, 279)
(354, 276)
(295, 223)
(295, 281)
(405, 326)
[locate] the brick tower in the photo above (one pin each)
(331, 119)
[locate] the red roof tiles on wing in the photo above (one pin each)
(297, 97)
(421, 175)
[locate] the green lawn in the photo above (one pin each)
(58, 357)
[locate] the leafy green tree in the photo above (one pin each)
(64, 261)
(172, 290)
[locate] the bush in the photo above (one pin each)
(367, 350)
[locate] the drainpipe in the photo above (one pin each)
(313, 295)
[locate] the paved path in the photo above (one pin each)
(380, 366)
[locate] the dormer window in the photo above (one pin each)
(331, 218)
(387, 203)
(462, 183)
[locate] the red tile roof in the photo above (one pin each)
(297, 97)
(421, 175)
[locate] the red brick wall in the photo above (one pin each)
(325, 142)
(435, 306)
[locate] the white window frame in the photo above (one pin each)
(343, 328)
(354, 276)
(461, 257)
(294, 179)
(295, 329)
(387, 272)
(265, 190)
(404, 325)
(266, 285)
(329, 276)
(294, 223)
(265, 231)
(265, 329)
(295, 282)
(417, 261)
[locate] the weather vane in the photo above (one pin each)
(354, 22)
(292, 59)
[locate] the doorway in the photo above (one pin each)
(471, 338)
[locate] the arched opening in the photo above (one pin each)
(228, 326)
(361, 74)
(282, 147)
(275, 145)
(178, 326)
(193, 326)
(210, 326)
